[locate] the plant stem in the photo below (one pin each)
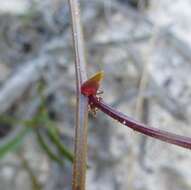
(162, 135)
(79, 166)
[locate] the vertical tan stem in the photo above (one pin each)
(79, 167)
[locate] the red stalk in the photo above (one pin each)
(162, 135)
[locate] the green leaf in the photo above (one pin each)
(53, 133)
(46, 148)
(14, 142)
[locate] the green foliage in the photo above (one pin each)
(14, 142)
(51, 131)
(48, 135)
(47, 149)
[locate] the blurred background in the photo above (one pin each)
(144, 48)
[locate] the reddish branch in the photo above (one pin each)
(139, 127)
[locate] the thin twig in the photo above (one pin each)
(162, 135)
(142, 104)
(79, 167)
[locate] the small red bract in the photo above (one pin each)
(91, 86)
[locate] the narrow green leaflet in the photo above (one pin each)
(14, 142)
(53, 133)
(46, 148)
